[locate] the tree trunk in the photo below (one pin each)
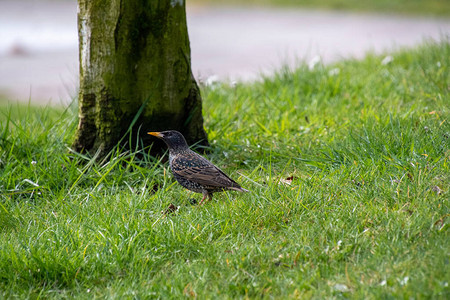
(135, 66)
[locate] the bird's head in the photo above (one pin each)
(173, 139)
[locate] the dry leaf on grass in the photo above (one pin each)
(288, 180)
(171, 209)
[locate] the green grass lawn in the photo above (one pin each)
(348, 167)
(415, 7)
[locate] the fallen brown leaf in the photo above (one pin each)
(170, 209)
(288, 180)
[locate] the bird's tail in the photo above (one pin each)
(239, 189)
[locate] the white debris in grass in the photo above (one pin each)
(341, 287)
(404, 281)
(212, 80)
(334, 71)
(388, 59)
(314, 61)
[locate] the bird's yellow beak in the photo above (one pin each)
(157, 134)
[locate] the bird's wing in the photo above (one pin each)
(203, 172)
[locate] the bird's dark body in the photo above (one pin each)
(192, 170)
(197, 174)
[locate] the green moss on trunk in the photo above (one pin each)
(135, 53)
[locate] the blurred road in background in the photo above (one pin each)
(39, 43)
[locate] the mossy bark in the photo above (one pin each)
(133, 54)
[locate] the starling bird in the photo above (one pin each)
(193, 171)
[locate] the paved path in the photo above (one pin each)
(39, 59)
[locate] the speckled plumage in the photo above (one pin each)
(192, 170)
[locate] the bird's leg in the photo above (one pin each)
(205, 194)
